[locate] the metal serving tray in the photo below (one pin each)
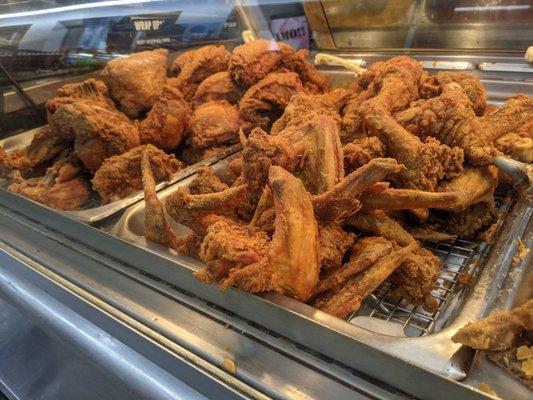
(94, 211)
(386, 323)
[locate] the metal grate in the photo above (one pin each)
(458, 256)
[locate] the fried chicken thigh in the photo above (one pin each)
(264, 102)
(251, 62)
(217, 87)
(136, 80)
(192, 67)
(214, 123)
(166, 122)
(98, 133)
(120, 176)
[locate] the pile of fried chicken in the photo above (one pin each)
(333, 191)
(98, 129)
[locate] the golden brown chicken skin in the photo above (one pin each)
(120, 176)
(217, 87)
(212, 124)
(167, 121)
(192, 67)
(136, 80)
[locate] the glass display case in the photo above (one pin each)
(94, 305)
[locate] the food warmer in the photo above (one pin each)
(91, 310)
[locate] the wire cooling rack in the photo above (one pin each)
(459, 257)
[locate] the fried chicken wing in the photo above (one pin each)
(198, 211)
(156, 226)
(380, 224)
(214, 123)
(405, 199)
(253, 61)
(136, 80)
(192, 67)
(293, 262)
(473, 185)
(166, 122)
(98, 132)
(426, 162)
(119, 176)
(347, 300)
(334, 242)
(217, 87)
(364, 253)
(341, 201)
(205, 182)
(264, 102)
(499, 330)
(518, 144)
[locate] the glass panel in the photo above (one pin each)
(481, 25)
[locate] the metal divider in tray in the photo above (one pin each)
(385, 322)
(94, 211)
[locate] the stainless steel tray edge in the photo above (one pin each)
(96, 214)
(434, 351)
(334, 343)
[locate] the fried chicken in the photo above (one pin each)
(230, 246)
(45, 146)
(380, 224)
(156, 227)
(433, 86)
(62, 188)
(192, 67)
(119, 176)
(205, 182)
(98, 133)
(136, 80)
(500, 330)
(215, 123)
(313, 80)
(199, 211)
(253, 61)
(334, 242)
(361, 151)
(426, 163)
(217, 87)
(166, 122)
(347, 299)
(304, 107)
(15, 160)
(293, 262)
(471, 222)
(406, 199)
(264, 102)
(451, 119)
(416, 277)
(364, 253)
(519, 144)
(393, 85)
(341, 201)
(473, 185)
